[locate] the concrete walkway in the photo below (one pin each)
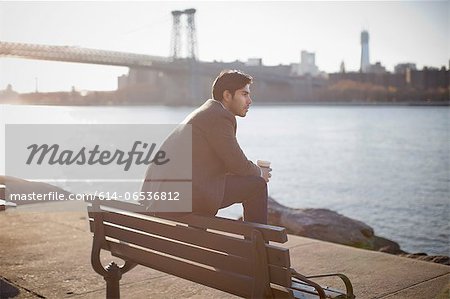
(47, 255)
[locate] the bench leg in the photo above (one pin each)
(112, 281)
(261, 285)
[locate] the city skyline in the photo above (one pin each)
(400, 32)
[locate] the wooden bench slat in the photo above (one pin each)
(200, 255)
(276, 256)
(119, 204)
(234, 246)
(270, 233)
(232, 283)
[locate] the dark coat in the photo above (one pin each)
(215, 153)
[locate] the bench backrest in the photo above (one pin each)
(212, 251)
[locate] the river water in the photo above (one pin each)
(385, 166)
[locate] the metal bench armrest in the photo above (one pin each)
(303, 278)
(345, 279)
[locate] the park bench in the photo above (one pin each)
(233, 256)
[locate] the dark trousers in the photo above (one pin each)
(251, 191)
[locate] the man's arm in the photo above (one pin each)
(222, 139)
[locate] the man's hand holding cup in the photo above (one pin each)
(265, 169)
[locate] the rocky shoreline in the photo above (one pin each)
(330, 226)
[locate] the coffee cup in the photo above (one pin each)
(262, 163)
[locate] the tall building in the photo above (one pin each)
(402, 68)
(342, 67)
(365, 62)
(307, 64)
(376, 68)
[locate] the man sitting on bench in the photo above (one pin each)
(221, 173)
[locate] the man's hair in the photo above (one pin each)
(230, 80)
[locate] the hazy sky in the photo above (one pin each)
(399, 31)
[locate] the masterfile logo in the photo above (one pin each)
(95, 156)
(106, 161)
(101, 152)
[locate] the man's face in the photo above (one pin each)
(240, 102)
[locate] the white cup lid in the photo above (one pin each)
(263, 163)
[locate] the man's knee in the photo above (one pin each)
(261, 184)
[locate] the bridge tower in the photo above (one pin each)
(176, 34)
(190, 36)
